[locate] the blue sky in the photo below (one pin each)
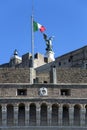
(64, 19)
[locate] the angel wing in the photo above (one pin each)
(45, 36)
(51, 38)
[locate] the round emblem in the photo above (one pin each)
(43, 91)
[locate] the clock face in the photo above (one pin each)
(43, 91)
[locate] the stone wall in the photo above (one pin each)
(71, 75)
(64, 75)
(76, 58)
(41, 75)
(16, 75)
(77, 91)
(44, 128)
(50, 111)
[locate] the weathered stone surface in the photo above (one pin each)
(22, 75)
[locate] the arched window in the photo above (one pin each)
(21, 114)
(65, 115)
(55, 114)
(10, 115)
(77, 115)
(43, 114)
(32, 114)
(0, 115)
(86, 116)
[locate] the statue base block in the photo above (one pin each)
(50, 55)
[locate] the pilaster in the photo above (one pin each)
(71, 115)
(4, 115)
(38, 115)
(16, 115)
(27, 109)
(82, 116)
(49, 115)
(60, 113)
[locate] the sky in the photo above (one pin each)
(66, 20)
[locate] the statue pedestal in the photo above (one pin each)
(50, 55)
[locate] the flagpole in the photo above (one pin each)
(32, 35)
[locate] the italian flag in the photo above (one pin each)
(37, 26)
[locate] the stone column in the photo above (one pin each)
(38, 115)
(27, 108)
(49, 115)
(60, 115)
(16, 115)
(4, 115)
(82, 115)
(71, 115)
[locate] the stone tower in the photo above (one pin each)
(15, 59)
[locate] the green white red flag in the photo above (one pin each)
(37, 26)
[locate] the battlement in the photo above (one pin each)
(26, 61)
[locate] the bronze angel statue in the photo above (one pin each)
(48, 42)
